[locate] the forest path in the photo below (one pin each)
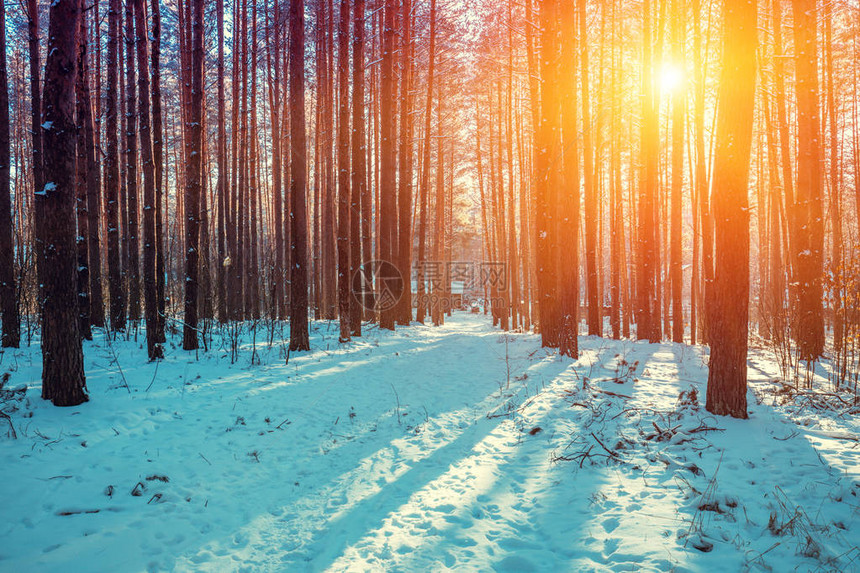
(394, 441)
(451, 448)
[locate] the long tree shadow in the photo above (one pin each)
(309, 516)
(453, 489)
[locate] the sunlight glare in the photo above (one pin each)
(671, 78)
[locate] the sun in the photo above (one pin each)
(671, 78)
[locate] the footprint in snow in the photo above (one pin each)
(610, 524)
(515, 563)
(610, 546)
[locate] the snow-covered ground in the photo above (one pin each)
(453, 448)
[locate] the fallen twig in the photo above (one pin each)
(608, 451)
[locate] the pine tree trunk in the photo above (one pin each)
(697, 314)
(204, 293)
(158, 159)
(299, 337)
(547, 183)
(525, 235)
(783, 122)
(808, 232)
(35, 117)
(63, 379)
(96, 309)
(82, 101)
(436, 310)
(35, 94)
(131, 169)
(343, 176)
(616, 219)
(569, 224)
(315, 233)
(328, 280)
(834, 179)
(487, 242)
(273, 62)
(253, 179)
(647, 320)
(595, 303)
(112, 174)
(360, 208)
(388, 163)
(234, 280)
(425, 169)
(242, 242)
(404, 201)
(679, 107)
(533, 70)
(150, 294)
(193, 184)
(774, 295)
(504, 311)
(8, 293)
(727, 369)
(513, 248)
(702, 185)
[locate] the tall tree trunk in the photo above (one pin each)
(8, 293)
(35, 116)
(150, 293)
(425, 168)
(783, 130)
(616, 219)
(158, 159)
(194, 177)
(35, 93)
(834, 179)
(679, 107)
(242, 259)
(82, 101)
(112, 174)
(774, 296)
(93, 188)
(569, 205)
(438, 281)
(273, 62)
(360, 208)
(513, 249)
(299, 338)
(595, 303)
(547, 180)
(404, 201)
(131, 168)
(63, 379)
(727, 369)
(809, 220)
(253, 179)
(205, 308)
(701, 180)
(388, 165)
(647, 319)
(315, 233)
(498, 178)
(533, 70)
(523, 156)
(343, 176)
(325, 100)
(231, 263)
(487, 242)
